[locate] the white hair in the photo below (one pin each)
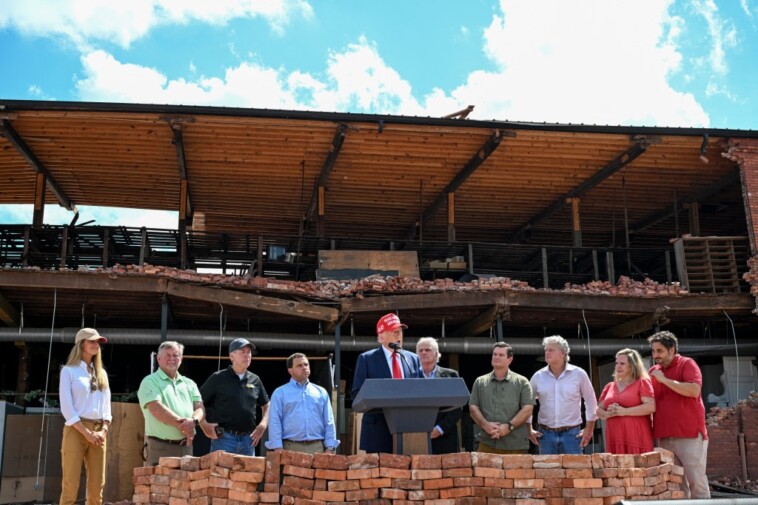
(560, 342)
(433, 343)
(170, 343)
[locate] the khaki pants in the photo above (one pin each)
(157, 450)
(75, 450)
(312, 447)
(493, 450)
(693, 456)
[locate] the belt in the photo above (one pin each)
(305, 442)
(97, 422)
(182, 441)
(237, 433)
(559, 429)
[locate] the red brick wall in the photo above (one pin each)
(745, 153)
(723, 448)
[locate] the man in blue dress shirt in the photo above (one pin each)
(301, 417)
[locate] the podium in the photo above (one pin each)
(410, 407)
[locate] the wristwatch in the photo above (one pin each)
(510, 427)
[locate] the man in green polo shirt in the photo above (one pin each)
(501, 402)
(172, 407)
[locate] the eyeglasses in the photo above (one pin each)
(93, 383)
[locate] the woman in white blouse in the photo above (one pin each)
(85, 398)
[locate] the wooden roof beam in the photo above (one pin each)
(640, 146)
(8, 313)
(252, 301)
(468, 169)
(14, 138)
(326, 169)
(182, 162)
(714, 189)
(483, 321)
(638, 325)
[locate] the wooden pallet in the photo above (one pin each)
(712, 264)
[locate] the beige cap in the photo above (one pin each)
(89, 334)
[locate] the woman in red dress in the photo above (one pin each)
(626, 405)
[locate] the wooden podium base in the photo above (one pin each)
(412, 443)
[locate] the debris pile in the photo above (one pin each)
(628, 287)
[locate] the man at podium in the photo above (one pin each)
(389, 361)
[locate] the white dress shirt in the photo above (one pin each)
(561, 398)
(78, 400)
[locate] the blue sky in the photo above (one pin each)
(655, 62)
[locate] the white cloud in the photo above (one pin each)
(87, 22)
(610, 65)
(722, 34)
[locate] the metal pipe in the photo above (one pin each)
(306, 342)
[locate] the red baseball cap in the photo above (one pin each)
(389, 322)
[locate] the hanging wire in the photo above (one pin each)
(589, 355)
(84, 304)
(21, 326)
(47, 382)
(220, 333)
(736, 350)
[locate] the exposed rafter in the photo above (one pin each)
(608, 170)
(484, 320)
(638, 325)
(715, 188)
(8, 313)
(14, 138)
(326, 169)
(182, 162)
(468, 169)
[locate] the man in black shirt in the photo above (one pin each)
(230, 398)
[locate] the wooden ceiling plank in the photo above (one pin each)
(468, 169)
(616, 164)
(80, 281)
(181, 159)
(252, 301)
(14, 138)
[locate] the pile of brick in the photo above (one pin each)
(464, 478)
(218, 478)
(628, 287)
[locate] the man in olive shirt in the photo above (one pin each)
(171, 405)
(231, 397)
(501, 402)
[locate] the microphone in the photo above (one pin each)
(397, 348)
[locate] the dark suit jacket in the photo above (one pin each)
(375, 435)
(448, 421)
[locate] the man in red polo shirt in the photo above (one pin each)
(679, 419)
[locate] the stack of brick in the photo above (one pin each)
(218, 478)
(292, 478)
(473, 479)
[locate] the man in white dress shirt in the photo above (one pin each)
(560, 388)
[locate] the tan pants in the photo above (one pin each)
(157, 450)
(312, 447)
(693, 456)
(75, 450)
(493, 450)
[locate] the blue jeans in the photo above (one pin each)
(234, 444)
(561, 442)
